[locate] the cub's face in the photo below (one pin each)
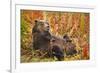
(42, 25)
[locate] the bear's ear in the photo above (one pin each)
(36, 21)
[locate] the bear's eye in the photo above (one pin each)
(41, 23)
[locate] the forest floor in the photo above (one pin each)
(30, 58)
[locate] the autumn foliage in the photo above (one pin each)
(75, 24)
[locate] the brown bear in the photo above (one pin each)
(62, 47)
(41, 37)
(50, 45)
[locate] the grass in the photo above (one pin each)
(26, 59)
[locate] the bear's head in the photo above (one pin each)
(41, 26)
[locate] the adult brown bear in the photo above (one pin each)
(50, 45)
(41, 35)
